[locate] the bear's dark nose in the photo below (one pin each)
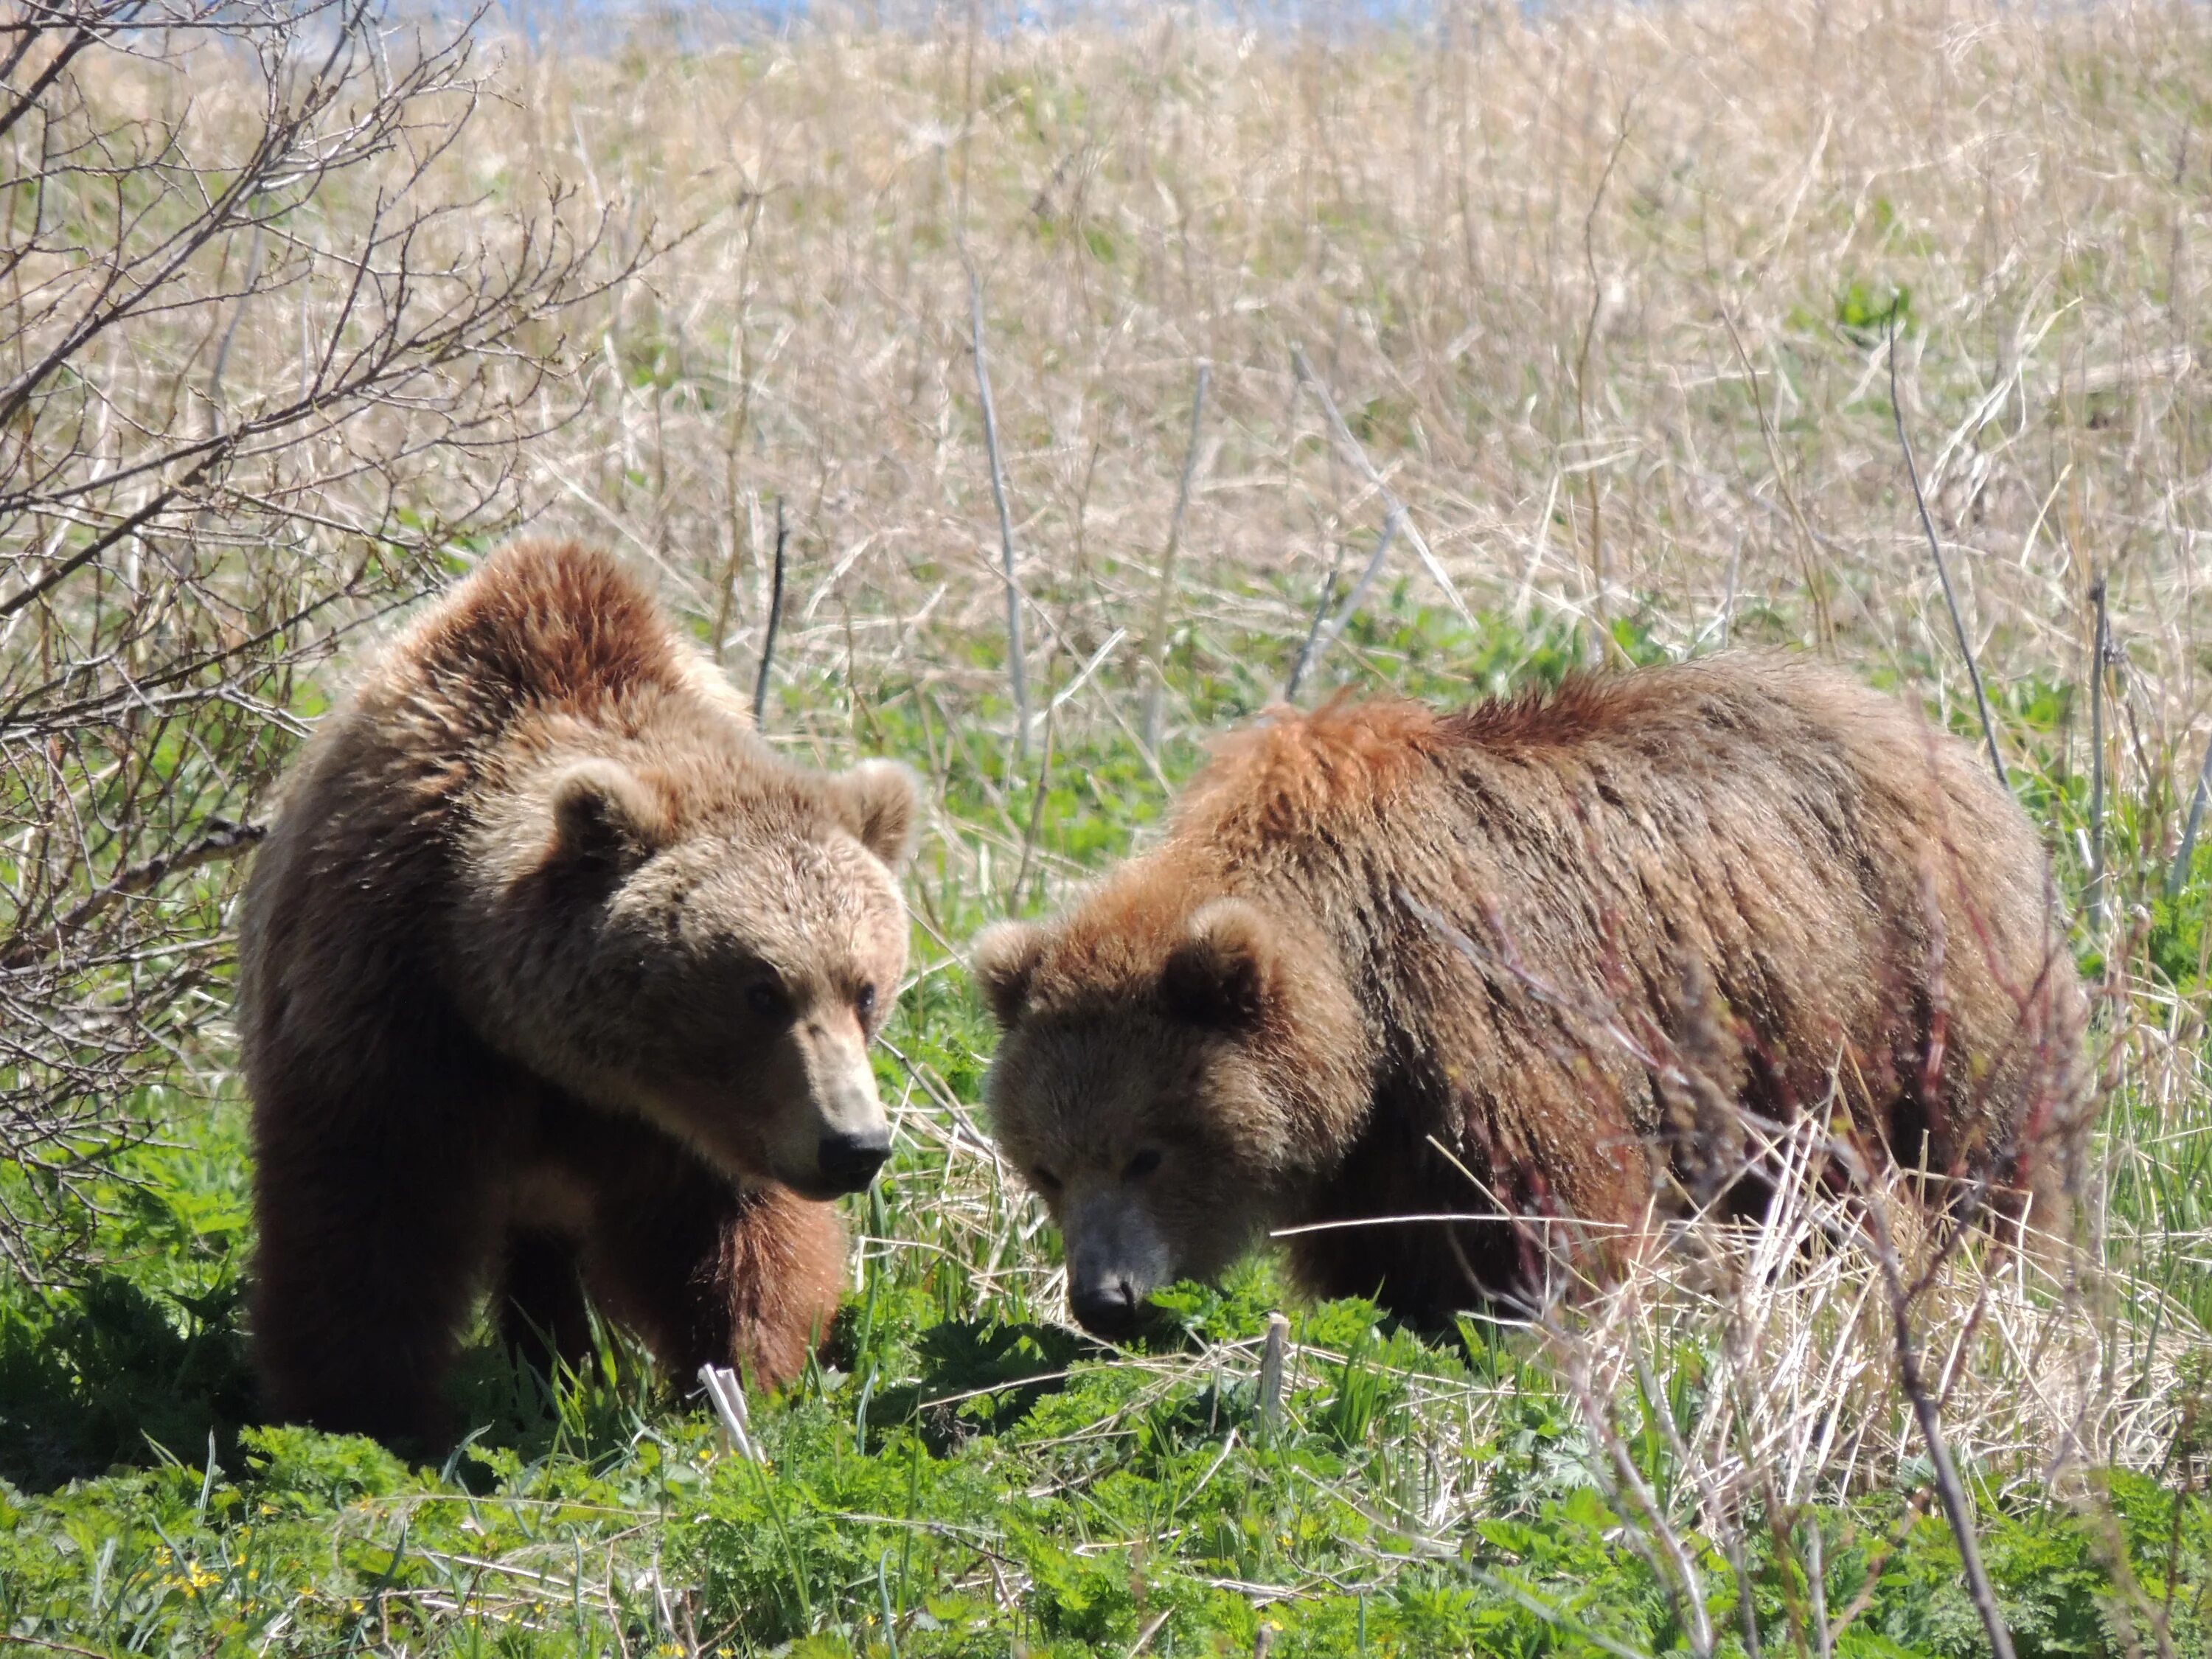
(1105, 1309)
(849, 1162)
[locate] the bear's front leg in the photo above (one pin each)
(709, 1273)
(780, 1272)
(370, 1252)
(542, 1315)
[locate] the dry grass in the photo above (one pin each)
(1602, 296)
(1600, 293)
(1579, 282)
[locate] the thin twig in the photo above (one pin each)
(1317, 641)
(1151, 1629)
(1037, 809)
(1952, 1494)
(1349, 446)
(222, 839)
(1943, 568)
(1016, 671)
(1156, 644)
(1808, 544)
(2101, 643)
(2178, 875)
(726, 598)
(1313, 629)
(774, 619)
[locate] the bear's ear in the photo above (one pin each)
(1003, 959)
(1225, 970)
(876, 800)
(604, 816)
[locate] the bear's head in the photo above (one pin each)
(716, 962)
(1168, 1091)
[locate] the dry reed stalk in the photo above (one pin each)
(1340, 435)
(1017, 666)
(2185, 854)
(1943, 569)
(1156, 640)
(775, 621)
(2101, 646)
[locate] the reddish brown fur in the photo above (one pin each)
(1754, 871)
(495, 964)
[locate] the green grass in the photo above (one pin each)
(966, 1474)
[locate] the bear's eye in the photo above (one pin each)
(1143, 1165)
(863, 1004)
(1046, 1178)
(768, 1000)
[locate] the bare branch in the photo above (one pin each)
(1156, 643)
(1353, 451)
(774, 619)
(1017, 669)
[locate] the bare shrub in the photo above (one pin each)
(264, 357)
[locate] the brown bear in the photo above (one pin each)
(1550, 957)
(551, 964)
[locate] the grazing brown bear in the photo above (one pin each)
(551, 962)
(1739, 883)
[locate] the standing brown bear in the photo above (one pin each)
(1683, 895)
(549, 963)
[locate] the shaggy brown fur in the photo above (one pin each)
(549, 959)
(1746, 882)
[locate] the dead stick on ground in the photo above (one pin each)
(1272, 1353)
(1156, 644)
(1016, 670)
(774, 619)
(1943, 568)
(1349, 446)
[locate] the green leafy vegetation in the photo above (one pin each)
(963, 1474)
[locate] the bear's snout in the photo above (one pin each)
(1117, 1256)
(849, 1160)
(1105, 1307)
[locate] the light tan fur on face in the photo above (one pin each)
(703, 970)
(1224, 1043)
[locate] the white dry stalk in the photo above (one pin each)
(727, 1396)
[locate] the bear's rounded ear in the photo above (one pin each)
(876, 800)
(604, 815)
(1003, 959)
(1224, 970)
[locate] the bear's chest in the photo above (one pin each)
(543, 1196)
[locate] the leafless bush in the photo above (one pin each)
(263, 358)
